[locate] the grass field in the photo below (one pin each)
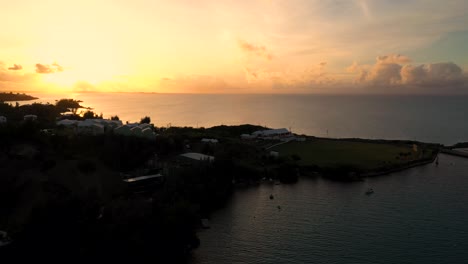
(363, 155)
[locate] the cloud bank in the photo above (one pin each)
(395, 70)
(15, 67)
(255, 50)
(47, 69)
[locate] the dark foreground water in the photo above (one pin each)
(415, 216)
(439, 119)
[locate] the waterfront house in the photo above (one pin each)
(197, 156)
(90, 128)
(209, 140)
(144, 183)
(67, 123)
(274, 154)
(123, 130)
(30, 117)
(272, 133)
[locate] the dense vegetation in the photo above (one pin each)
(62, 194)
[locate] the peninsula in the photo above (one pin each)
(15, 97)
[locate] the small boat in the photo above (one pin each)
(369, 191)
(271, 197)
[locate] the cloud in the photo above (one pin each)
(15, 67)
(314, 76)
(394, 70)
(433, 74)
(252, 49)
(384, 74)
(47, 69)
(393, 58)
(17, 80)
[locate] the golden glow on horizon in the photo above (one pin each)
(217, 46)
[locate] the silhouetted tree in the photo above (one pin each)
(90, 115)
(145, 120)
(71, 105)
(116, 117)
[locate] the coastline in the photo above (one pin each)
(57, 157)
(15, 97)
(398, 169)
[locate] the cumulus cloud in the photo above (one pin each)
(384, 74)
(433, 74)
(315, 75)
(47, 69)
(15, 67)
(393, 58)
(256, 50)
(394, 70)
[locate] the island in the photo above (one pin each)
(15, 97)
(77, 184)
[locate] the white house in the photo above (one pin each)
(270, 133)
(67, 123)
(144, 125)
(123, 130)
(108, 124)
(90, 128)
(274, 154)
(3, 120)
(209, 140)
(148, 133)
(136, 131)
(247, 136)
(197, 156)
(30, 117)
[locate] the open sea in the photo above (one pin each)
(439, 119)
(415, 216)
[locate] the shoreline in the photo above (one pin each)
(403, 168)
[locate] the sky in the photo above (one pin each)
(235, 46)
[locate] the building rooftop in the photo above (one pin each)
(197, 156)
(140, 178)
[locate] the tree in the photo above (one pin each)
(65, 105)
(116, 118)
(89, 115)
(145, 120)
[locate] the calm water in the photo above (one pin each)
(438, 119)
(416, 216)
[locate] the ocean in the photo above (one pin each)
(437, 119)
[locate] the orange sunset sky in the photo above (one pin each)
(258, 46)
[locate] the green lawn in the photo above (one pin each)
(332, 153)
